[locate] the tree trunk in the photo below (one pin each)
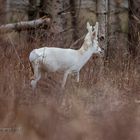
(114, 21)
(53, 7)
(16, 10)
(57, 19)
(114, 27)
(134, 26)
(73, 19)
(2, 11)
(102, 12)
(32, 14)
(32, 11)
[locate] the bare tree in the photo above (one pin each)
(73, 19)
(102, 15)
(134, 26)
(32, 11)
(2, 11)
(114, 28)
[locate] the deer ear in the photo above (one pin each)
(96, 27)
(97, 24)
(88, 26)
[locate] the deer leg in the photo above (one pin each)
(78, 76)
(37, 76)
(65, 78)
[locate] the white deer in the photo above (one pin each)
(67, 60)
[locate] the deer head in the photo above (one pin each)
(92, 37)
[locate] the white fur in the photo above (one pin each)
(67, 60)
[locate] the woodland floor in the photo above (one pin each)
(104, 108)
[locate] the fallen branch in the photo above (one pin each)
(24, 25)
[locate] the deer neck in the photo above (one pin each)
(85, 52)
(86, 48)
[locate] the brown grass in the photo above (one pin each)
(103, 106)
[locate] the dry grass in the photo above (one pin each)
(101, 107)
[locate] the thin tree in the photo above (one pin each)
(134, 26)
(102, 16)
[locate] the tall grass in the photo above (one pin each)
(102, 106)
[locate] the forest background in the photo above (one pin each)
(105, 105)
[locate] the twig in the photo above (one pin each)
(81, 38)
(15, 51)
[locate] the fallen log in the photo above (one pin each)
(25, 25)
